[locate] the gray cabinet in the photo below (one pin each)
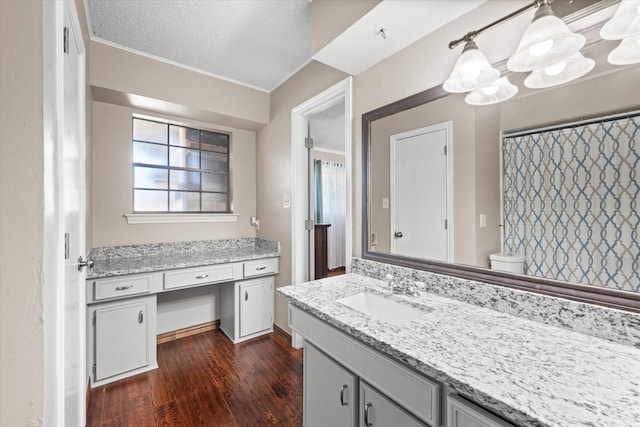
(376, 410)
(462, 413)
(123, 337)
(330, 391)
(246, 308)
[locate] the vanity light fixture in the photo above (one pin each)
(628, 52)
(559, 73)
(472, 71)
(624, 23)
(547, 41)
(498, 91)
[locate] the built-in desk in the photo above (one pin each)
(123, 286)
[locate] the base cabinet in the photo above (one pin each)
(122, 335)
(330, 391)
(246, 308)
(376, 410)
(462, 413)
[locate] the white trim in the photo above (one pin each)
(178, 218)
(176, 64)
(299, 192)
(448, 128)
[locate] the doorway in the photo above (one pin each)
(420, 193)
(303, 118)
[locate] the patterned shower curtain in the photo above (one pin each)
(571, 201)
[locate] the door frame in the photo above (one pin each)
(54, 215)
(393, 139)
(299, 172)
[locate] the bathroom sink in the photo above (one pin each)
(381, 308)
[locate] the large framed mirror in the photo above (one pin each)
(448, 209)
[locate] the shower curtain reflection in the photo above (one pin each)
(331, 208)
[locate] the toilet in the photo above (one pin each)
(508, 263)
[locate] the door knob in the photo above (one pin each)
(398, 234)
(82, 263)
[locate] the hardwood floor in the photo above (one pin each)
(204, 380)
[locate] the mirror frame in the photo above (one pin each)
(613, 298)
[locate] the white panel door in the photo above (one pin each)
(121, 338)
(419, 193)
(73, 187)
(255, 307)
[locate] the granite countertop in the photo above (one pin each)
(531, 373)
(123, 260)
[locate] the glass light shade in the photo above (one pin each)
(472, 71)
(627, 52)
(562, 72)
(547, 41)
(498, 91)
(624, 23)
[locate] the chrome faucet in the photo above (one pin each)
(409, 289)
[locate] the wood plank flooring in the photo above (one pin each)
(205, 380)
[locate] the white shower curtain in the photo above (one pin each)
(334, 211)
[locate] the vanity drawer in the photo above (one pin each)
(120, 287)
(260, 267)
(202, 276)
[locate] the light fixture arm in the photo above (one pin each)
(473, 34)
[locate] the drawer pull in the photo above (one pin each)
(366, 414)
(342, 401)
(140, 317)
(246, 295)
(202, 276)
(261, 268)
(124, 288)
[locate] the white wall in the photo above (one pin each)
(112, 183)
(21, 213)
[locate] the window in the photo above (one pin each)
(179, 169)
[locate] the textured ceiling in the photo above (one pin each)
(258, 43)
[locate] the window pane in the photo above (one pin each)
(184, 137)
(214, 202)
(149, 201)
(184, 202)
(212, 141)
(149, 177)
(214, 182)
(144, 130)
(150, 154)
(184, 158)
(183, 180)
(215, 161)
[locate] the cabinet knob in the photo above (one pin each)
(343, 402)
(261, 268)
(368, 406)
(202, 276)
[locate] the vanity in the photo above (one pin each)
(125, 283)
(453, 364)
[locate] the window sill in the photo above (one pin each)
(178, 218)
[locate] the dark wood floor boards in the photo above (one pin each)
(205, 380)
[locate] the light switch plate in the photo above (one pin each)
(385, 203)
(286, 201)
(483, 220)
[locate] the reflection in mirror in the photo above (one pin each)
(550, 176)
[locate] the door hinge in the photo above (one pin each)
(446, 224)
(445, 150)
(308, 224)
(308, 142)
(66, 246)
(65, 45)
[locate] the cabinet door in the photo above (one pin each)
(462, 413)
(376, 410)
(330, 391)
(256, 300)
(121, 339)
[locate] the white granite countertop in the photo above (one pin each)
(531, 373)
(123, 260)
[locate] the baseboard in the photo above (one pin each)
(282, 333)
(188, 331)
